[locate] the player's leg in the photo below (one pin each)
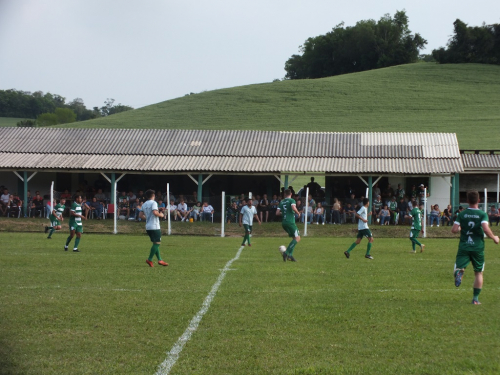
(354, 244)
(79, 231)
(369, 246)
(68, 240)
(291, 246)
(53, 226)
(461, 262)
(477, 260)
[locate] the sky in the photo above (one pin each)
(144, 52)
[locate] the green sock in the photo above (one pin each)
(354, 244)
(248, 238)
(413, 245)
(152, 253)
(368, 248)
(77, 241)
(291, 247)
(68, 240)
(52, 230)
(158, 252)
(476, 293)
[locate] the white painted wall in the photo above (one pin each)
(440, 192)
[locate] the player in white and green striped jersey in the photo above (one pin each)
(55, 217)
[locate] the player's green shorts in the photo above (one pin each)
(364, 233)
(248, 228)
(55, 223)
(475, 257)
(414, 233)
(291, 229)
(154, 234)
(76, 228)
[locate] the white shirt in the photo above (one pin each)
(172, 207)
(5, 198)
(152, 221)
(182, 207)
(208, 209)
(247, 214)
(363, 212)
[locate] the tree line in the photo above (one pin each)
(51, 109)
(387, 42)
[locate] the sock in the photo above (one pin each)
(245, 238)
(248, 238)
(158, 252)
(152, 253)
(68, 240)
(354, 244)
(77, 241)
(476, 293)
(368, 248)
(52, 230)
(291, 247)
(413, 245)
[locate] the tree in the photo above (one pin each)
(65, 115)
(479, 44)
(367, 45)
(110, 108)
(47, 119)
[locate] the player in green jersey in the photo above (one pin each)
(363, 230)
(55, 217)
(75, 223)
(472, 224)
(416, 227)
(287, 208)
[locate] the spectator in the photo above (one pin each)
(14, 206)
(4, 202)
(376, 191)
(312, 202)
(131, 196)
(264, 208)
(85, 207)
(435, 214)
(402, 210)
(194, 197)
(460, 209)
(413, 193)
(388, 192)
(96, 207)
(385, 216)
(400, 192)
(141, 196)
(300, 208)
(447, 216)
(232, 213)
(493, 215)
(195, 211)
(318, 214)
(336, 211)
(207, 211)
(66, 194)
(352, 201)
(124, 205)
(182, 209)
(255, 200)
(412, 204)
(421, 194)
(393, 207)
(37, 204)
(100, 196)
(172, 210)
(377, 206)
(303, 191)
(313, 187)
(308, 213)
(137, 208)
(350, 212)
(274, 206)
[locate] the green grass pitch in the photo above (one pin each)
(104, 311)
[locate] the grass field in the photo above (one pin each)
(104, 311)
(10, 121)
(424, 97)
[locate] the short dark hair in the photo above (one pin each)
(287, 192)
(77, 195)
(472, 196)
(149, 193)
(365, 201)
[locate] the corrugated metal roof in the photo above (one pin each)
(150, 163)
(228, 143)
(481, 161)
(154, 150)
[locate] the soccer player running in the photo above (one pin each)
(152, 216)
(416, 227)
(363, 230)
(56, 217)
(287, 208)
(75, 223)
(472, 224)
(247, 214)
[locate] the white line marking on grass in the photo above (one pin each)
(173, 355)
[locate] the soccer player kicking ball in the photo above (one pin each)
(56, 217)
(472, 224)
(152, 216)
(247, 214)
(75, 223)
(287, 208)
(416, 227)
(363, 230)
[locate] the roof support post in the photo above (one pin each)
(377, 180)
(370, 196)
(200, 188)
(362, 179)
(286, 182)
(498, 189)
(25, 199)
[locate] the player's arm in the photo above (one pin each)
(488, 232)
(360, 218)
(142, 216)
(240, 217)
(456, 227)
(256, 217)
(157, 213)
(73, 213)
(294, 209)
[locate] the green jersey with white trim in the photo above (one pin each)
(286, 210)
(59, 209)
(471, 233)
(73, 220)
(416, 216)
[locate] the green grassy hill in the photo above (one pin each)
(10, 121)
(417, 97)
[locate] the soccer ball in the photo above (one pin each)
(282, 249)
